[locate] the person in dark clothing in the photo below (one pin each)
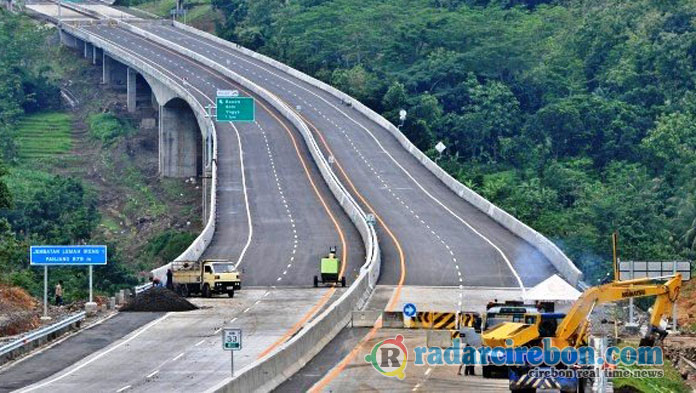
(59, 293)
(170, 281)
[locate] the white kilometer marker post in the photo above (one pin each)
(232, 341)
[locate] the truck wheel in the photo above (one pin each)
(230, 293)
(206, 291)
(343, 281)
(184, 290)
(316, 282)
(487, 371)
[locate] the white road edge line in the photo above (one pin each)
(123, 388)
(96, 356)
(243, 58)
(152, 374)
(246, 197)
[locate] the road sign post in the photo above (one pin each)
(232, 341)
(67, 256)
(45, 313)
(630, 270)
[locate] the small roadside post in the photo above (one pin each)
(232, 341)
(67, 256)
(440, 147)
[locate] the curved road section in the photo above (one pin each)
(276, 218)
(430, 235)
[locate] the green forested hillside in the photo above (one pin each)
(578, 116)
(71, 177)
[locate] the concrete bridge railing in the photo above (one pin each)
(547, 248)
(292, 355)
(132, 59)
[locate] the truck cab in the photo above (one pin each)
(207, 277)
(498, 314)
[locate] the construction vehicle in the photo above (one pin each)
(330, 269)
(508, 311)
(211, 276)
(572, 329)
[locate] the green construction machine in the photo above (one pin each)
(330, 269)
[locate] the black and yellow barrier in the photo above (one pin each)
(442, 320)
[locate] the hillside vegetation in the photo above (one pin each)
(578, 117)
(85, 176)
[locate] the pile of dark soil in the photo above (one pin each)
(158, 299)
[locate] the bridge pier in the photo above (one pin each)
(180, 152)
(94, 55)
(106, 69)
(131, 89)
(69, 40)
(206, 186)
(86, 49)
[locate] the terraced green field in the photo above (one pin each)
(44, 134)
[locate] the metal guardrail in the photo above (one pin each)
(40, 333)
(143, 288)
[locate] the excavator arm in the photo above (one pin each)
(574, 326)
(572, 331)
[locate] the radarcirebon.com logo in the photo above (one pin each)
(389, 357)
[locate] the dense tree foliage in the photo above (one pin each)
(40, 208)
(578, 117)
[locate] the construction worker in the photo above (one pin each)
(170, 280)
(59, 293)
(465, 342)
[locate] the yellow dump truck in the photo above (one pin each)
(206, 277)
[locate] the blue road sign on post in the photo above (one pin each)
(67, 255)
(410, 310)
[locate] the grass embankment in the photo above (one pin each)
(671, 383)
(44, 135)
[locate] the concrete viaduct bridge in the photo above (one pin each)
(316, 169)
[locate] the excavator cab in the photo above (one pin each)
(330, 268)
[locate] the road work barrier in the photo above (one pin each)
(547, 248)
(292, 355)
(431, 320)
(132, 59)
(38, 337)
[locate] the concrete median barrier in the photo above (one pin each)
(272, 370)
(547, 248)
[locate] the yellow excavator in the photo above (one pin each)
(572, 329)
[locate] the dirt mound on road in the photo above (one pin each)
(159, 299)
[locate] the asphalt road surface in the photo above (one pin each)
(182, 351)
(445, 240)
(294, 217)
(50, 361)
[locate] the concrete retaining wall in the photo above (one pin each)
(547, 248)
(126, 56)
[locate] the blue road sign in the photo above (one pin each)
(410, 310)
(67, 255)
